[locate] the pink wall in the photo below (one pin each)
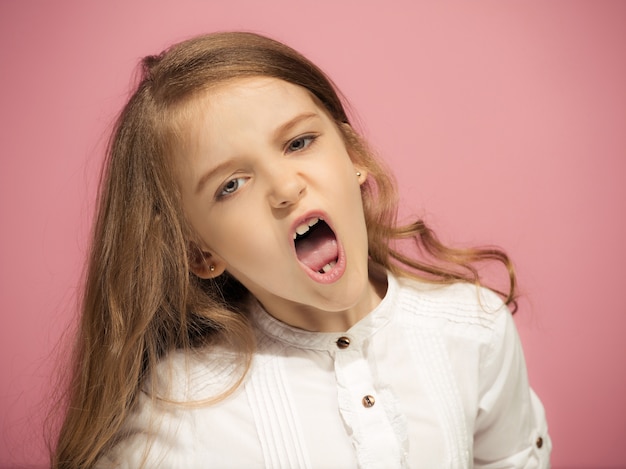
(504, 121)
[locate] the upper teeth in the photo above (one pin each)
(305, 227)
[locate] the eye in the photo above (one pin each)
(300, 143)
(231, 187)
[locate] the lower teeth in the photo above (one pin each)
(327, 267)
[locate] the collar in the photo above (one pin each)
(327, 341)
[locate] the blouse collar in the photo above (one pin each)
(328, 341)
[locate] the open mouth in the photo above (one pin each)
(316, 245)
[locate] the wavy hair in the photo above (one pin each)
(140, 300)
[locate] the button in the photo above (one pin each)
(343, 342)
(368, 401)
(539, 442)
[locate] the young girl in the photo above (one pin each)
(246, 304)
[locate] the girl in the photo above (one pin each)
(246, 304)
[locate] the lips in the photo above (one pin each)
(316, 246)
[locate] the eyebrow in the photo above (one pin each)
(287, 126)
(278, 133)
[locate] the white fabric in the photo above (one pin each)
(443, 363)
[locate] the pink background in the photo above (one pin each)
(505, 123)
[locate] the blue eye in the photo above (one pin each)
(232, 186)
(300, 143)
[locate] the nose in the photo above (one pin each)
(286, 187)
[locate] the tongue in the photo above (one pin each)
(317, 249)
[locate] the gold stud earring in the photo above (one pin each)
(358, 174)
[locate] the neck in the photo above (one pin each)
(319, 320)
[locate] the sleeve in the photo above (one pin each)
(511, 429)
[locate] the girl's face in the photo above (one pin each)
(269, 187)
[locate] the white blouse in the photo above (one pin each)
(434, 377)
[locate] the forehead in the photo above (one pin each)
(231, 118)
(247, 86)
(226, 116)
(246, 99)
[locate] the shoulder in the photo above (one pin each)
(190, 414)
(196, 374)
(456, 310)
(457, 302)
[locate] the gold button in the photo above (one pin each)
(539, 442)
(368, 401)
(343, 342)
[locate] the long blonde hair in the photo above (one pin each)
(140, 299)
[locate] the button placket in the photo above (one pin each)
(363, 415)
(343, 343)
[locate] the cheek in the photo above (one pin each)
(234, 234)
(346, 183)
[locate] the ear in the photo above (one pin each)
(205, 265)
(361, 173)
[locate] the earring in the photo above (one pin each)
(358, 174)
(212, 268)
